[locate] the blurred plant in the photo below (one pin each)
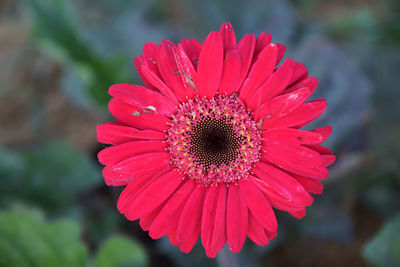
(49, 176)
(26, 239)
(56, 34)
(384, 248)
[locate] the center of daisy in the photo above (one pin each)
(214, 140)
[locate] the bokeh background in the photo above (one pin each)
(57, 60)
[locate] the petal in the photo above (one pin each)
(246, 49)
(149, 101)
(191, 213)
(155, 194)
(189, 243)
(325, 131)
(283, 184)
(115, 154)
(262, 41)
(236, 219)
(258, 205)
(313, 186)
(139, 62)
(256, 232)
(281, 52)
(168, 217)
(192, 48)
(303, 115)
(169, 70)
(208, 216)
(310, 82)
(230, 73)
(219, 231)
(259, 72)
(298, 214)
(147, 219)
(136, 165)
(277, 200)
(150, 53)
(135, 187)
(291, 136)
(114, 134)
(228, 36)
(299, 73)
(209, 70)
(159, 84)
(296, 158)
(136, 117)
(282, 105)
(186, 70)
(320, 149)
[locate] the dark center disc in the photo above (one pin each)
(214, 142)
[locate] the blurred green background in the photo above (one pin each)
(57, 60)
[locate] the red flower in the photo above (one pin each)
(213, 142)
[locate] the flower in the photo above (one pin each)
(213, 141)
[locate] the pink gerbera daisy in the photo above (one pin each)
(213, 142)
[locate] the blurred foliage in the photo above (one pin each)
(49, 176)
(26, 239)
(57, 35)
(119, 252)
(384, 248)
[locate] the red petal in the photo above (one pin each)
(246, 49)
(208, 216)
(155, 194)
(187, 245)
(228, 36)
(135, 187)
(275, 84)
(283, 184)
(236, 219)
(147, 219)
(277, 200)
(296, 159)
(313, 186)
(159, 84)
(139, 62)
(191, 213)
(110, 133)
(186, 70)
(328, 159)
(262, 41)
(291, 136)
(209, 70)
(310, 82)
(230, 73)
(168, 217)
(298, 214)
(299, 73)
(115, 154)
(149, 101)
(320, 149)
(136, 117)
(258, 205)
(219, 231)
(303, 115)
(325, 131)
(136, 165)
(150, 54)
(281, 52)
(256, 232)
(282, 105)
(169, 70)
(192, 48)
(259, 72)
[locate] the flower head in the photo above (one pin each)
(213, 141)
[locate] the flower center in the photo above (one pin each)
(214, 140)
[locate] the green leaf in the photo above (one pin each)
(120, 252)
(384, 248)
(50, 176)
(26, 239)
